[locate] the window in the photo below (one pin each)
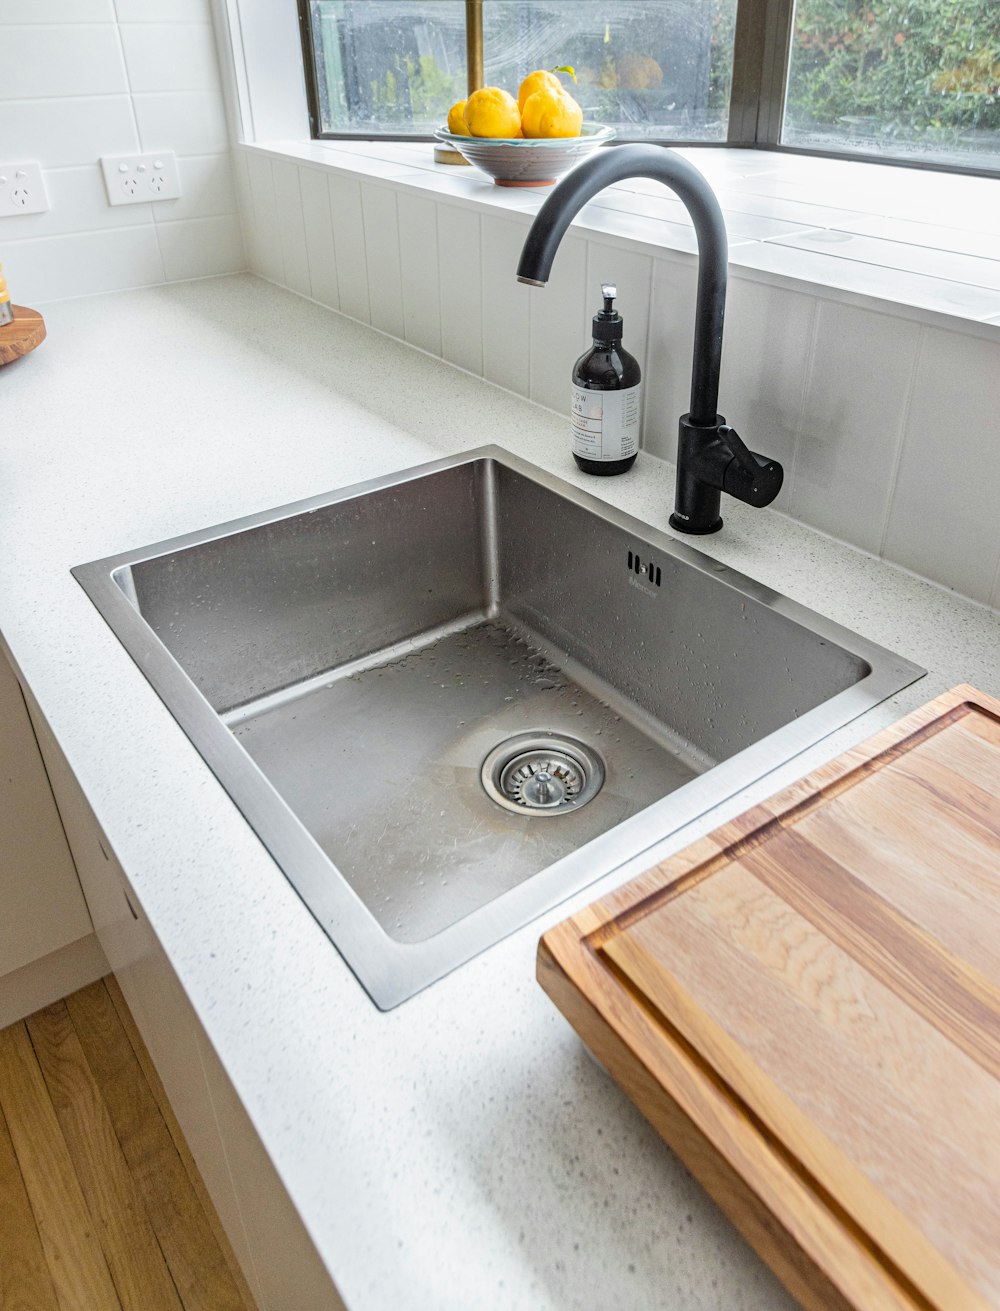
(914, 78)
(910, 80)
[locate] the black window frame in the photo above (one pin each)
(761, 55)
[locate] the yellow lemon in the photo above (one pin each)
(490, 112)
(549, 113)
(456, 119)
(536, 81)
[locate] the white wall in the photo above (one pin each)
(886, 421)
(84, 78)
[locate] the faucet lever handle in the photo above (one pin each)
(757, 480)
(744, 458)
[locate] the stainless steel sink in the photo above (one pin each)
(448, 699)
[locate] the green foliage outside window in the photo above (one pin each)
(926, 72)
(420, 85)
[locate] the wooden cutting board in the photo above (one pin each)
(806, 1004)
(22, 335)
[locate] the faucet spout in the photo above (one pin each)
(706, 478)
(613, 165)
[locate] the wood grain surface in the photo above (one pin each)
(99, 1209)
(816, 988)
(25, 333)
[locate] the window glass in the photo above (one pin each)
(917, 78)
(657, 68)
(388, 67)
(650, 68)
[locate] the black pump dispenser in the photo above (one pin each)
(608, 322)
(606, 397)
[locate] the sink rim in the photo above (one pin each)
(389, 970)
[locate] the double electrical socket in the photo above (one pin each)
(22, 190)
(137, 179)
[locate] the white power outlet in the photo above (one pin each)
(22, 190)
(136, 179)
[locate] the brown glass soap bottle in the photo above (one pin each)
(607, 395)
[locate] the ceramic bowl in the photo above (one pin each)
(528, 162)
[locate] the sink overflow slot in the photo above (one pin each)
(651, 571)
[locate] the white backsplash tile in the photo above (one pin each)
(560, 324)
(63, 132)
(767, 346)
(201, 247)
(58, 11)
(69, 95)
(506, 305)
(267, 240)
(986, 245)
(381, 221)
(883, 284)
(290, 225)
(78, 202)
(51, 60)
(170, 56)
(163, 11)
(349, 244)
(363, 167)
(945, 511)
(318, 225)
(655, 234)
(851, 424)
(461, 289)
(954, 266)
(207, 189)
(241, 177)
(663, 204)
(804, 213)
(187, 122)
(418, 253)
(667, 368)
(53, 268)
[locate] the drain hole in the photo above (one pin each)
(542, 774)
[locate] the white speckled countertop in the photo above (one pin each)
(460, 1151)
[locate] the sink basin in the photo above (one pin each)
(447, 699)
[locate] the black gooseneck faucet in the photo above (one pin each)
(711, 458)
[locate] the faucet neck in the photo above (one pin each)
(615, 164)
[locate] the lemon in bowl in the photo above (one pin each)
(551, 112)
(528, 142)
(492, 113)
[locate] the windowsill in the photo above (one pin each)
(914, 242)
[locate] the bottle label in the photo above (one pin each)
(606, 423)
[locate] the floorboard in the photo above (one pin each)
(102, 1205)
(69, 1236)
(138, 1269)
(25, 1283)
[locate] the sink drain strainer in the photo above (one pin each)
(542, 774)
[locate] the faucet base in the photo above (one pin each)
(701, 462)
(695, 529)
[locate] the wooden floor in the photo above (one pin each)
(101, 1204)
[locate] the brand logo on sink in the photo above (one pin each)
(643, 587)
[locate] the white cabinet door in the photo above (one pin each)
(276, 1255)
(41, 905)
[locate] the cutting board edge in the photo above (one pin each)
(568, 960)
(796, 1235)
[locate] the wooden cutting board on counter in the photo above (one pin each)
(806, 1004)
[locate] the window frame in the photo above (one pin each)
(761, 55)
